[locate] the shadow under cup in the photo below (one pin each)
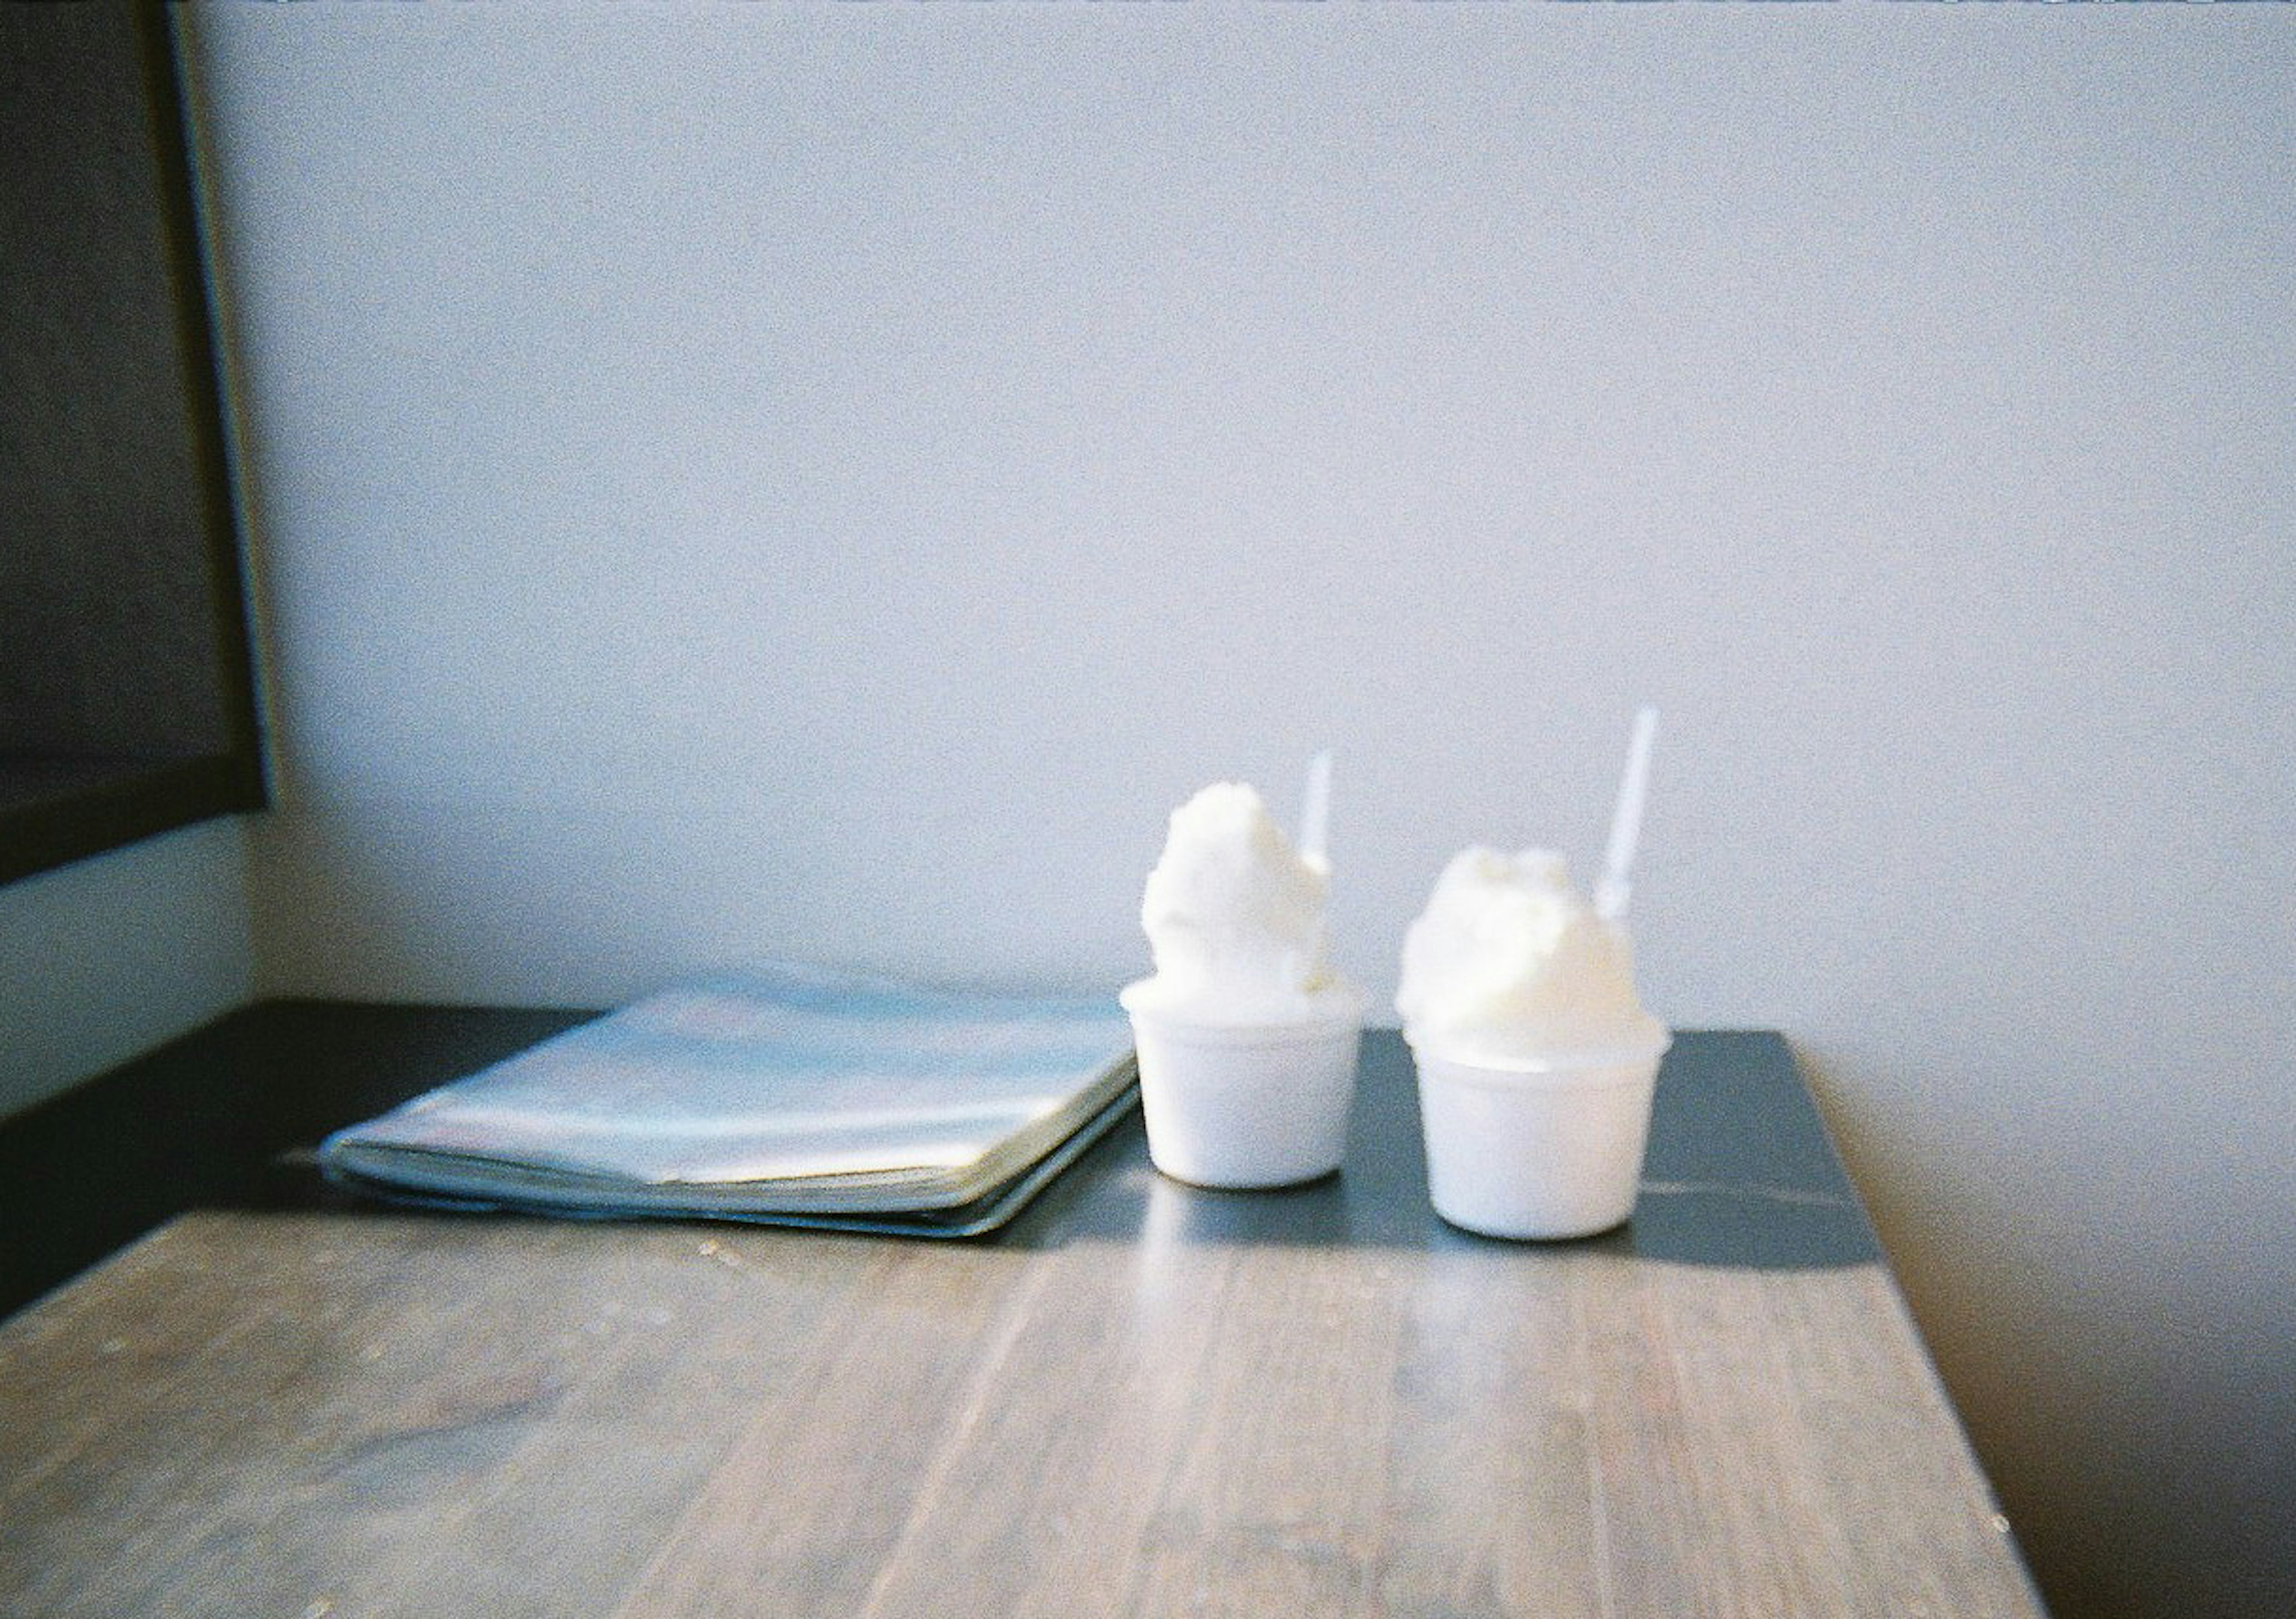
(1547, 1152)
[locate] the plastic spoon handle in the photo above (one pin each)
(1316, 809)
(1612, 894)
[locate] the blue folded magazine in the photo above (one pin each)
(789, 1096)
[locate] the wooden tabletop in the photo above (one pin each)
(1142, 1399)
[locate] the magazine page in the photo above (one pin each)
(776, 1082)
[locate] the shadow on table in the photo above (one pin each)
(1739, 1175)
(1739, 1172)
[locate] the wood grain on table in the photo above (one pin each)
(1143, 1399)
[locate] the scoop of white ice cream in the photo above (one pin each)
(1235, 918)
(1508, 967)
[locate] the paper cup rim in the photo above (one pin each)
(1344, 1017)
(1560, 1067)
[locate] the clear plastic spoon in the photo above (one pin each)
(1613, 891)
(1316, 811)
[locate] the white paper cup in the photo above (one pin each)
(1548, 1152)
(1246, 1106)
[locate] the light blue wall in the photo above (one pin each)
(102, 959)
(825, 482)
